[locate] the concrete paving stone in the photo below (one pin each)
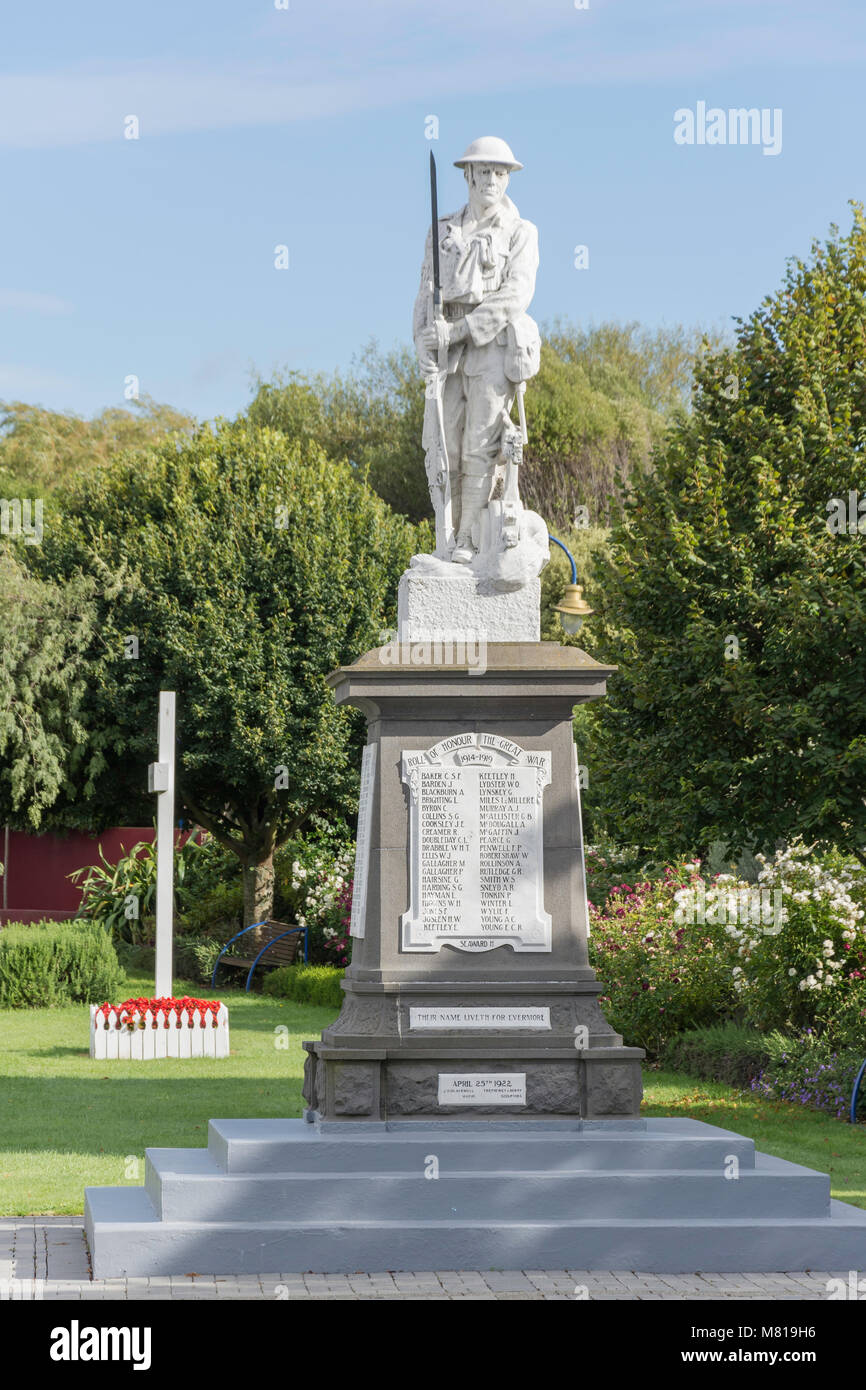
(515, 1284)
(191, 1295)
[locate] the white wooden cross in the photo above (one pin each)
(160, 779)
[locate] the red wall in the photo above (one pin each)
(35, 881)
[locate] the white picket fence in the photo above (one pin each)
(172, 1034)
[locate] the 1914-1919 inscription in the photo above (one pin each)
(476, 867)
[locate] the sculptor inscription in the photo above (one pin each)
(476, 865)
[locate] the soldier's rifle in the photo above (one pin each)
(433, 435)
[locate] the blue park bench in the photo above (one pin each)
(276, 939)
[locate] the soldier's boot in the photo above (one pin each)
(474, 492)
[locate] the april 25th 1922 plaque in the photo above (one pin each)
(475, 834)
(482, 1088)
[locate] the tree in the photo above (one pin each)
(372, 416)
(596, 408)
(42, 449)
(256, 566)
(47, 630)
(737, 713)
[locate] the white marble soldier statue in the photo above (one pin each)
(488, 258)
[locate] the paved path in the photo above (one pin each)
(46, 1257)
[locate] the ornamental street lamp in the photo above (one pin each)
(573, 608)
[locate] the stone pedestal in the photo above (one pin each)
(448, 603)
(481, 1003)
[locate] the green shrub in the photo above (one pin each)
(609, 866)
(725, 1052)
(196, 956)
(799, 971)
(136, 960)
(661, 975)
(217, 911)
(45, 964)
(307, 984)
(122, 896)
(812, 1071)
(313, 888)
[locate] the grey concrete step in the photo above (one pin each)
(126, 1238)
(279, 1146)
(189, 1185)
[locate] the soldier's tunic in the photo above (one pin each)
(487, 271)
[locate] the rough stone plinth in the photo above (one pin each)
(430, 605)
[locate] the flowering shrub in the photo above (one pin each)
(317, 889)
(812, 1072)
(796, 974)
(660, 976)
(608, 865)
(130, 1014)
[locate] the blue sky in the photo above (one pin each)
(306, 127)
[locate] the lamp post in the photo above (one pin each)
(573, 607)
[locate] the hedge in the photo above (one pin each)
(724, 1052)
(44, 964)
(307, 984)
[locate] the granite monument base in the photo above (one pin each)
(470, 989)
(664, 1195)
(409, 1069)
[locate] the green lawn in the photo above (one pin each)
(67, 1122)
(788, 1131)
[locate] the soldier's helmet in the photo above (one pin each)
(489, 149)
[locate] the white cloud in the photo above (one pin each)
(18, 382)
(31, 302)
(369, 57)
